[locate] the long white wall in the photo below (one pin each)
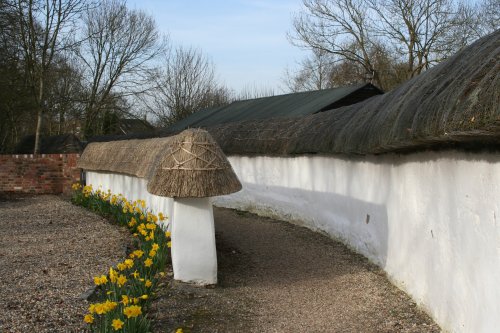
(430, 220)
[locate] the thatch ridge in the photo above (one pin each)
(454, 104)
(195, 166)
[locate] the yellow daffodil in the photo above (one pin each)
(135, 274)
(179, 330)
(98, 280)
(161, 216)
(135, 300)
(121, 280)
(112, 275)
(89, 319)
(109, 305)
(125, 299)
(129, 263)
(138, 253)
(132, 222)
(148, 262)
(148, 283)
(99, 308)
(168, 234)
(151, 226)
(155, 246)
(92, 308)
(144, 297)
(152, 253)
(121, 266)
(169, 244)
(132, 311)
(117, 324)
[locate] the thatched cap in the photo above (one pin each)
(194, 167)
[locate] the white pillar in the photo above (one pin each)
(194, 257)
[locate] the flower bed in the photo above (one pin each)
(124, 293)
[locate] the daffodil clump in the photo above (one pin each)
(125, 291)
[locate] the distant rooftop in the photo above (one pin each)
(129, 126)
(289, 105)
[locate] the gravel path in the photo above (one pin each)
(277, 277)
(49, 252)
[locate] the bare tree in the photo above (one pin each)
(253, 91)
(118, 54)
(185, 85)
(418, 29)
(43, 26)
(314, 73)
(489, 16)
(65, 96)
(365, 34)
(339, 27)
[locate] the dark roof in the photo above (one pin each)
(55, 144)
(194, 119)
(289, 105)
(128, 126)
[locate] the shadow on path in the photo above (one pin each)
(277, 277)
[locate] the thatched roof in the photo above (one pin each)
(194, 167)
(190, 164)
(454, 104)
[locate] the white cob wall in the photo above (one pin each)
(430, 220)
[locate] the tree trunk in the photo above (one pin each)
(39, 121)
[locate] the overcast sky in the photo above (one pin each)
(246, 39)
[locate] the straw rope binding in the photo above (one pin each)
(215, 161)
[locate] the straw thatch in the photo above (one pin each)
(455, 104)
(131, 157)
(194, 167)
(190, 164)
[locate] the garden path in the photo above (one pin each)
(278, 277)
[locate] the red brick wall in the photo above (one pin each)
(38, 174)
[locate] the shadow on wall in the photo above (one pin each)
(430, 220)
(361, 225)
